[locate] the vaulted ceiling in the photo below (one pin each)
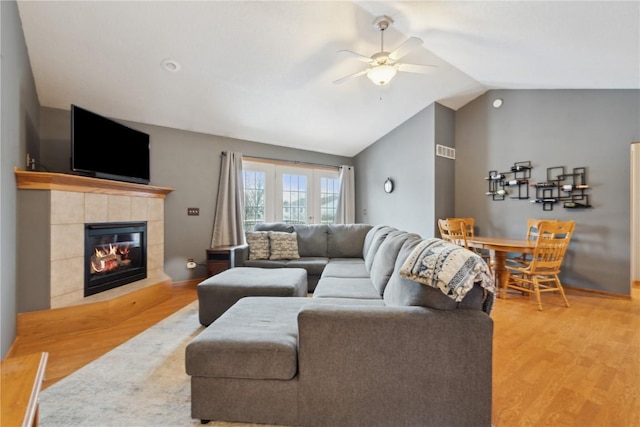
(264, 70)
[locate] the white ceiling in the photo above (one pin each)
(263, 71)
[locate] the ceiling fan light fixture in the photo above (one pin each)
(382, 74)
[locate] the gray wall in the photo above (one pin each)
(444, 187)
(20, 121)
(407, 155)
(188, 162)
(570, 128)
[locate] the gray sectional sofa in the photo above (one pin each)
(369, 348)
(317, 245)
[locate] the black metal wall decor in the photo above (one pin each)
(560, 186)
(500, 186)
(569, 188)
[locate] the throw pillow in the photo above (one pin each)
(258, 242)
(283, 245)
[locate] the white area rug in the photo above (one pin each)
(140, 383)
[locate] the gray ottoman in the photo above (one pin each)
(217, 293)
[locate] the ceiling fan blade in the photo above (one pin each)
(350, 76)
(354, 55)
(406, 47)
(419, 69)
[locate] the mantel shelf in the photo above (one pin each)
(29, 180)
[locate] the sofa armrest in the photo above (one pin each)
(380, 366)
(238, 255)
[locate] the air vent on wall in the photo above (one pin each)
(444, 151)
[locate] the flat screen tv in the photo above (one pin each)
(103, 148)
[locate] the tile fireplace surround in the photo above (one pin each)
(70, 201)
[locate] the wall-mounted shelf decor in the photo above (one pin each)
(515, 180)
(560, 186)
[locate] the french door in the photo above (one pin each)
(290, 194)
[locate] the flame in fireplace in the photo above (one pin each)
(110, 258)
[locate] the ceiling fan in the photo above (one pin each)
(383, 66)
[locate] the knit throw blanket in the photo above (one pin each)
(450, 268)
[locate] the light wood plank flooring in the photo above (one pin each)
(577, 366)
(71, 351)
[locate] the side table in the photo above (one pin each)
(218, 259)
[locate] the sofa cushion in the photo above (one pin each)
(346, 240)
(346, 260)
(258, 242)
(313, 265)
(385, 258)
(255, 338)
(344, 287)
(312, 239)
(401, 292)
(221, 291)
(374, 244)
(345, 269)
(266, 263)
(274, 226)
(283, 245)
(369, 238)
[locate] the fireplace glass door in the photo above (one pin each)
(115, 254)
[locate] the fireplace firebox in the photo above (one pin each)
(115, 254)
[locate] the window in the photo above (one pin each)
(254, 198)
(295, 195)
(329, 192)
(294, 198)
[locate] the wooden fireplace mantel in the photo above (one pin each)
(29, 180)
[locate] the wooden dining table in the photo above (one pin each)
(499, 247)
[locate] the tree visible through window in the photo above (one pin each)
(254, 198)
(329, 192)
(294, 199)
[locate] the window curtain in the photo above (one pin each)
(346, 210)
(229, 217)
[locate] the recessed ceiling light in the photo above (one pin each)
(497, 103)
(170, 65)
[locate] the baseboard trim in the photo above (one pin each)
(636, 283)
(94, 315)
(596, 292)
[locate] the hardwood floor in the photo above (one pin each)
(71, 351)
(577, 366)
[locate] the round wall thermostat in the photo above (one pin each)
(388, 185)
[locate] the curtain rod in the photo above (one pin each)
(297, 162)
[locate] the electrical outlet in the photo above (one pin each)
(193, 211)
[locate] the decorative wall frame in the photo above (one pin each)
(561, 186)
(519, 175)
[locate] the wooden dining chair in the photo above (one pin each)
(533, 227)
(540, 274)
(454, 230)
(469, 224)
(469, 227)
